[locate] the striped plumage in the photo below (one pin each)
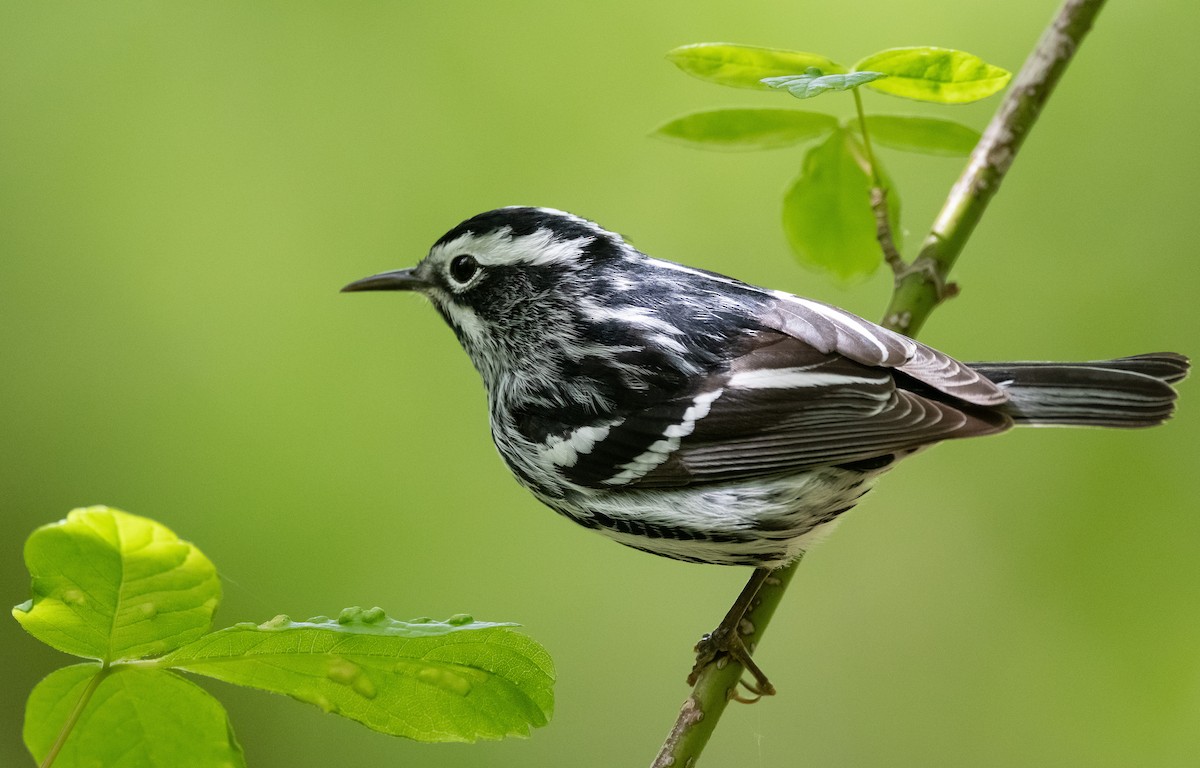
(695, 416)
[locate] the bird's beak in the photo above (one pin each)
(396, 280)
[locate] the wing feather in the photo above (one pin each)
(784, 405)
(834, 330)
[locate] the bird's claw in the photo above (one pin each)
(718, 647)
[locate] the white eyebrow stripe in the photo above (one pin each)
(500, 247)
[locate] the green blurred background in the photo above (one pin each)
(184, 188)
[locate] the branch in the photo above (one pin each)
(919, 292)
(718, 681)
(914, 297)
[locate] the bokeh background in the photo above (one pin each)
(184, 187)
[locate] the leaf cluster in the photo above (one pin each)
(827, 214)
(128, 594)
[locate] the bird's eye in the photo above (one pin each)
(463, 268)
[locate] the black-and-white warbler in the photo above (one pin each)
(694, 416)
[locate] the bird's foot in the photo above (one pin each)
(726, 643)
(719, 647)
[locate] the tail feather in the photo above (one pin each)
(1126, 392)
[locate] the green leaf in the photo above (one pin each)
(110, 585)
(745, 129)
(133, 716)
(457, 680)
(935, 74)
(744, 66)
(827, 211)
(926, 135)
(814, 83)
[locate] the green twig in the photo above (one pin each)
(914, 297)
(879, 205)
(883, 234)
(876, 181)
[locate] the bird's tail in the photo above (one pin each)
(1126, 392)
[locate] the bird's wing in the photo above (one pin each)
(783, 406)
(833, 330)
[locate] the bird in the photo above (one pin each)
(701, 418)
(694, 416)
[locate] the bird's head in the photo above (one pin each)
(513, 284)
